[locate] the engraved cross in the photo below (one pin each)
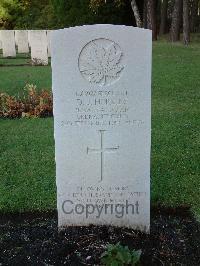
(102, 150)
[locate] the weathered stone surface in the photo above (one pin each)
(102, 116)
(38, 44)
(8, 43)
(21, 39)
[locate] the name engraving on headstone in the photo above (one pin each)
(102, 108)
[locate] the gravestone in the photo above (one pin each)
(49, 42)
(8, 43)
(21, 39)
(102, 122)
(38, 43)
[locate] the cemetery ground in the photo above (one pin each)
(27, 173)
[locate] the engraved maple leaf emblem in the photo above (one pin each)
(102, 63)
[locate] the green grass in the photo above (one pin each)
(27, 173)
(20, 59)
(27, 169)
(14, 79)
(176, 125)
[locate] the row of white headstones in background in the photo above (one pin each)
(37, 40)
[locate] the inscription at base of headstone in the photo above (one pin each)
(102, 122)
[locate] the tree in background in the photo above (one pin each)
(186, 11)
(145, 14)
(149, 13)
(95, 4)
(60, 7)
(161, 16)
(194, 6)
(151, 17)
(186, 23)
(10, 10)
(53, 14)
(136, 13)
(176, 15)
(23, 13)
(163, 20)
(176, 21)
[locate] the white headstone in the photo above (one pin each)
(38, 41)
(102, 123)
(21, 38)
(8, 43)
(49, 42)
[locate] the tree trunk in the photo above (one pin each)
(176, 19)
(186, 23)
(151, 18)
(145, 14)
(136, 13)
(163, 21)
(194, 15)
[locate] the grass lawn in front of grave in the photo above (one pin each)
(18, 60)
(27, 147)
(13, 79)
(175, 168)
(27, 168)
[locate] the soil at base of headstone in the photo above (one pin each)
(33, 239)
